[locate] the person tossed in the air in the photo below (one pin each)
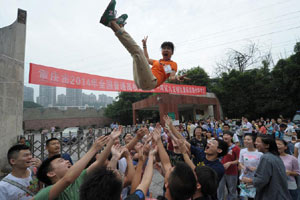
(144, 77)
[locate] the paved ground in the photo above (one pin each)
(157, 184)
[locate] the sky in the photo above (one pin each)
(67, 34)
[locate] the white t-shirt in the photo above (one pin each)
(297, 145)
(9, 191)
(249, 159)
(249, 127)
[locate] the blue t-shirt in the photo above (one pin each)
(200, 160)
(137, 195)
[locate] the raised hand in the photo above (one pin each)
(156, 135)
(144, 41)
(126, 152)
(182, 78)
(116, 132)
(117, 150)
(168, 120)
(141, 132)
(100, 142)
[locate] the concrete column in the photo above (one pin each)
(12, 53)
(133, 116)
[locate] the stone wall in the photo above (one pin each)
(12, 53)
(37, 118)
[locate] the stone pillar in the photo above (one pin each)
(133, 116)
(12, 53)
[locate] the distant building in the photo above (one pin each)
(105, 100)
(62, 99)
(89, 99)
(28, 94)
(47, 96)
(74, 97)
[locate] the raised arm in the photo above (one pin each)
(130, 168)
(139, 169)
(144, 41)
(186, 157)
(139, 135)
(147, 177)
(164, 158)
(105, 153)
(76, 169)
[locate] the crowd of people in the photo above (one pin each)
(207, 159)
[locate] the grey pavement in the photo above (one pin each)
(156, 187)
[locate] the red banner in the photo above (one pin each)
(51, 76)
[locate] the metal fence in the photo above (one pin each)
(75, 145)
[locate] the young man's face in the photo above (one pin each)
(23, 159)
(166, 53)
(198, 132)
(226, 128)
(53, 147)
(128, 138)
(212, 148)
(60, 167)
(227, 138)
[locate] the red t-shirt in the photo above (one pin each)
(232, 155)
(162, 69)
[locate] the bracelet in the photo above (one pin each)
(144, 46)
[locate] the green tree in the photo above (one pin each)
(121, 109)
(197, 76)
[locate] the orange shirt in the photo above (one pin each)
(162, 69)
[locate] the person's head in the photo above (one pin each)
(216, 148)
(260, 124)
(207, 180)
(52, 169)
(53, 146)
(227, 137)
(265, 143)
(180, 182)
(279, 120)
(226, 127)
(22, 140)
(282, 146)
(198, 131)
(19, 156)
(208, 134)
(103, 183)
(245, 119)
(167, 50)
(249, 140)
(282, 127)
(127, 138)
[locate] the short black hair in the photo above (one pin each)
(223, 146)
(226, 125)
(182, 182)
(103, 184)
(195, 130)
(168, 44)
(228, 133)
(45, 168)
(283, 126)
(208, 179)
(13, 151)
(51, 139)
